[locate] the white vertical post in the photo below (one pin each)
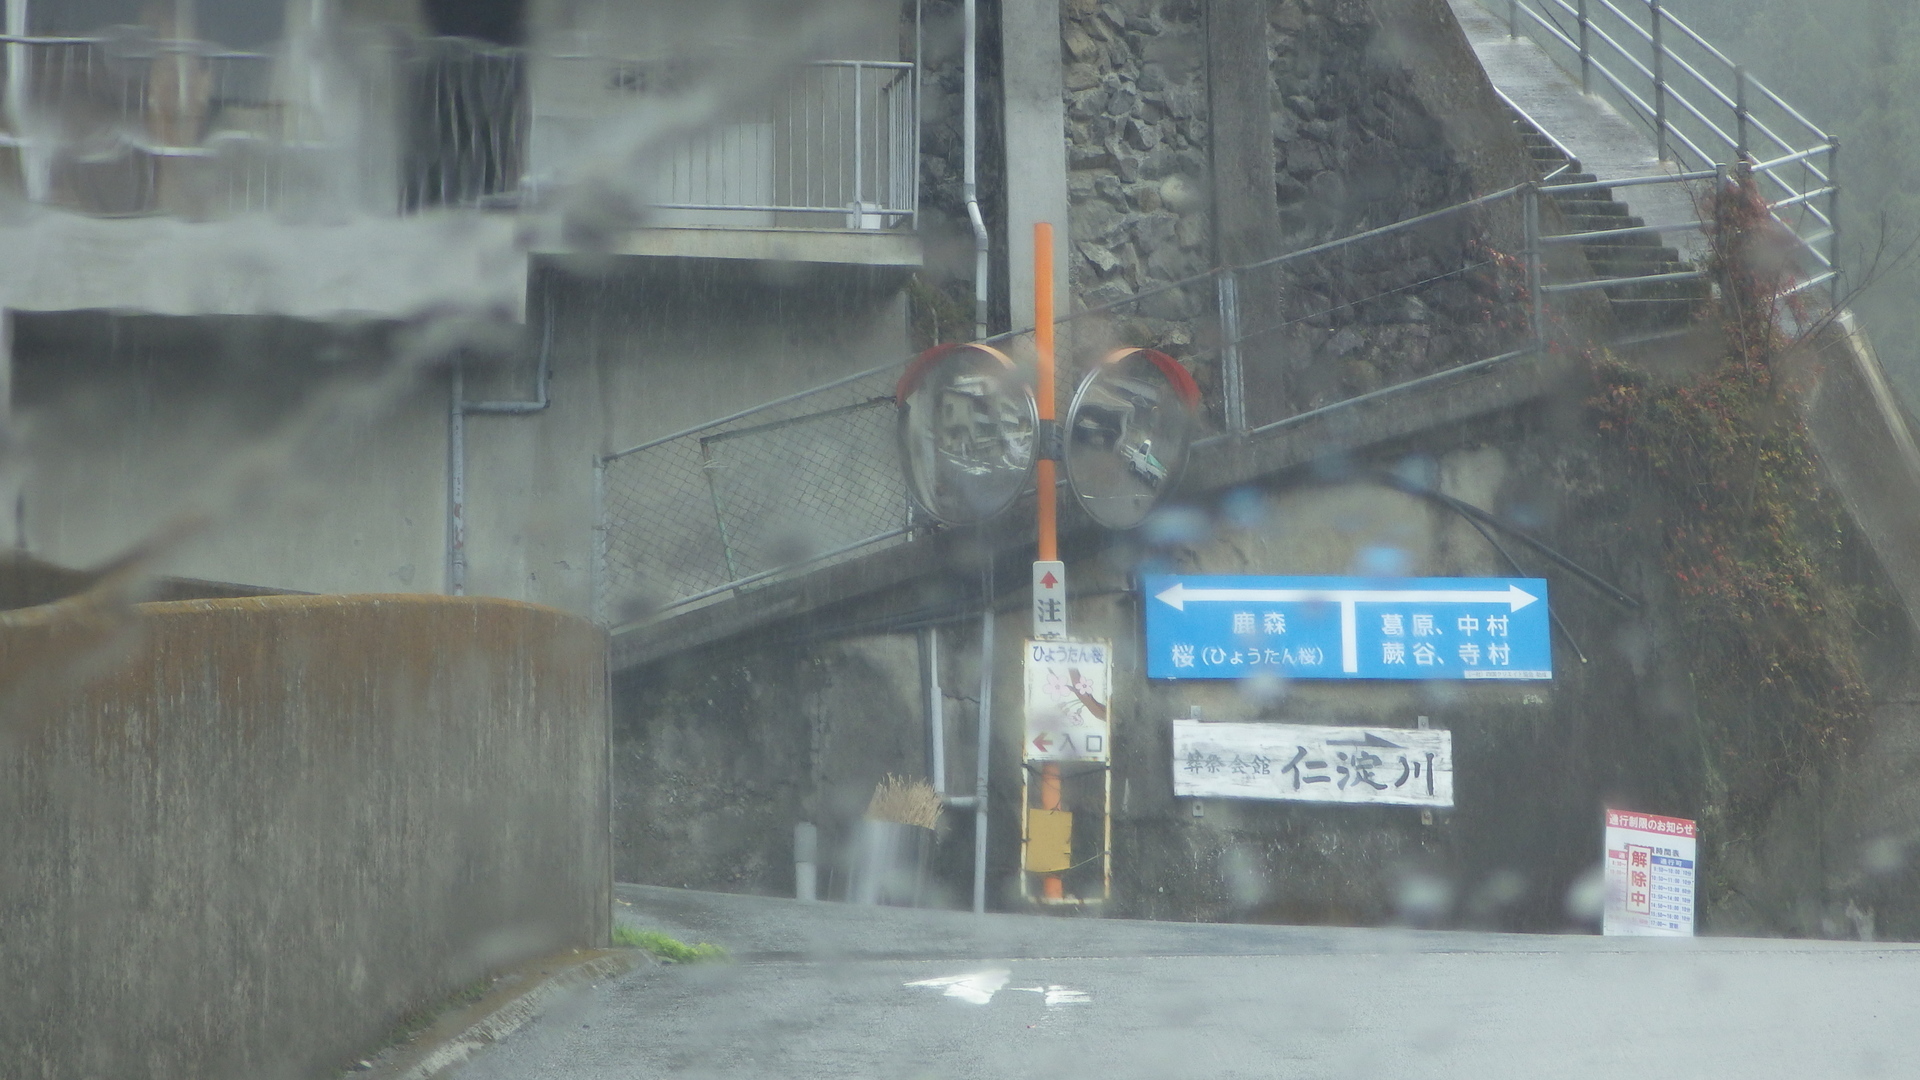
(1740, 111)
(16, 103)
(1659, 82)
(1536, 299)
(859, 152)
(806, 861)
(1833, 217)
(1586, 54)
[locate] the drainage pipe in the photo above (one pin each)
(936, 716)
(459, 408)
(457, 483)
(16, 99)
(970, 188)
(980, 762)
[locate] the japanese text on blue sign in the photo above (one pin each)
(1347, 628)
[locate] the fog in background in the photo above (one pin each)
(1853, 67)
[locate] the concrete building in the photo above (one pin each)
(370, 283)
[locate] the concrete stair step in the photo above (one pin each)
(1598, 223)
(1635, 291)
(1634, 256)
(1579, 205)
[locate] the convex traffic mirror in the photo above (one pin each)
(967, 422)
(1128, 430)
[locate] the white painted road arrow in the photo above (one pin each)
(1179, 596)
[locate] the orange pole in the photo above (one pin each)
(1043, 382)
(1051, 887)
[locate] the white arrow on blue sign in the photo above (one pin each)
(1347, 628)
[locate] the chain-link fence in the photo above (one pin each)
(797, 482)
(801, 482)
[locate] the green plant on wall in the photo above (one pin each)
(1752, 540)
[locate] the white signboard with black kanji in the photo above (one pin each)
(1650, 875)
(1069, 690)
(1313, 763)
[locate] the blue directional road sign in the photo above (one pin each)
(1347, 628)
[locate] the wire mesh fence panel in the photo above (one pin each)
(801, 482)
(661, 537)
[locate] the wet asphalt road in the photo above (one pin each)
(826, 990)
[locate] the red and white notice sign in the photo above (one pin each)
(1650, 875)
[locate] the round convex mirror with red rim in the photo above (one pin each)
(1128, 430)
(967, 421)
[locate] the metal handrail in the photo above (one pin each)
(1234, 378)
(1544, 133)
(1678, 113)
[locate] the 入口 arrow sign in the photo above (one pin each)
(1042, 743)
(1179, 596)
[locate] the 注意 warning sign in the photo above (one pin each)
(1069, 689)
(1050, 600)
(1313, 763)
(1650, 875)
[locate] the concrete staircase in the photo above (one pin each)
(1649, 307)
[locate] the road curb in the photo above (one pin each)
(519, 995)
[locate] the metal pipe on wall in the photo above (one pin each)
(457, 483)
(936, 715)
(16, 102)
(970, 188)
(459, 408)
(980, 762)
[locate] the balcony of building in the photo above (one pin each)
(340, 170)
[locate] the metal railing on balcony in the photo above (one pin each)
(92, 120)
(838, 148)
(445, 122)
(1699, 106)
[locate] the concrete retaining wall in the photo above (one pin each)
(239, 838)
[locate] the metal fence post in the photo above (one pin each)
(1513, 18)
(597, 558)
(1659, 83)
(1232, 376)
(1833, 214)
(707, 467)
(1536, 299)
(1586, 54)
(859, 153)
(1740, 110)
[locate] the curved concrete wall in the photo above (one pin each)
(239, 838)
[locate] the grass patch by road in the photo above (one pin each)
(670, 949)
